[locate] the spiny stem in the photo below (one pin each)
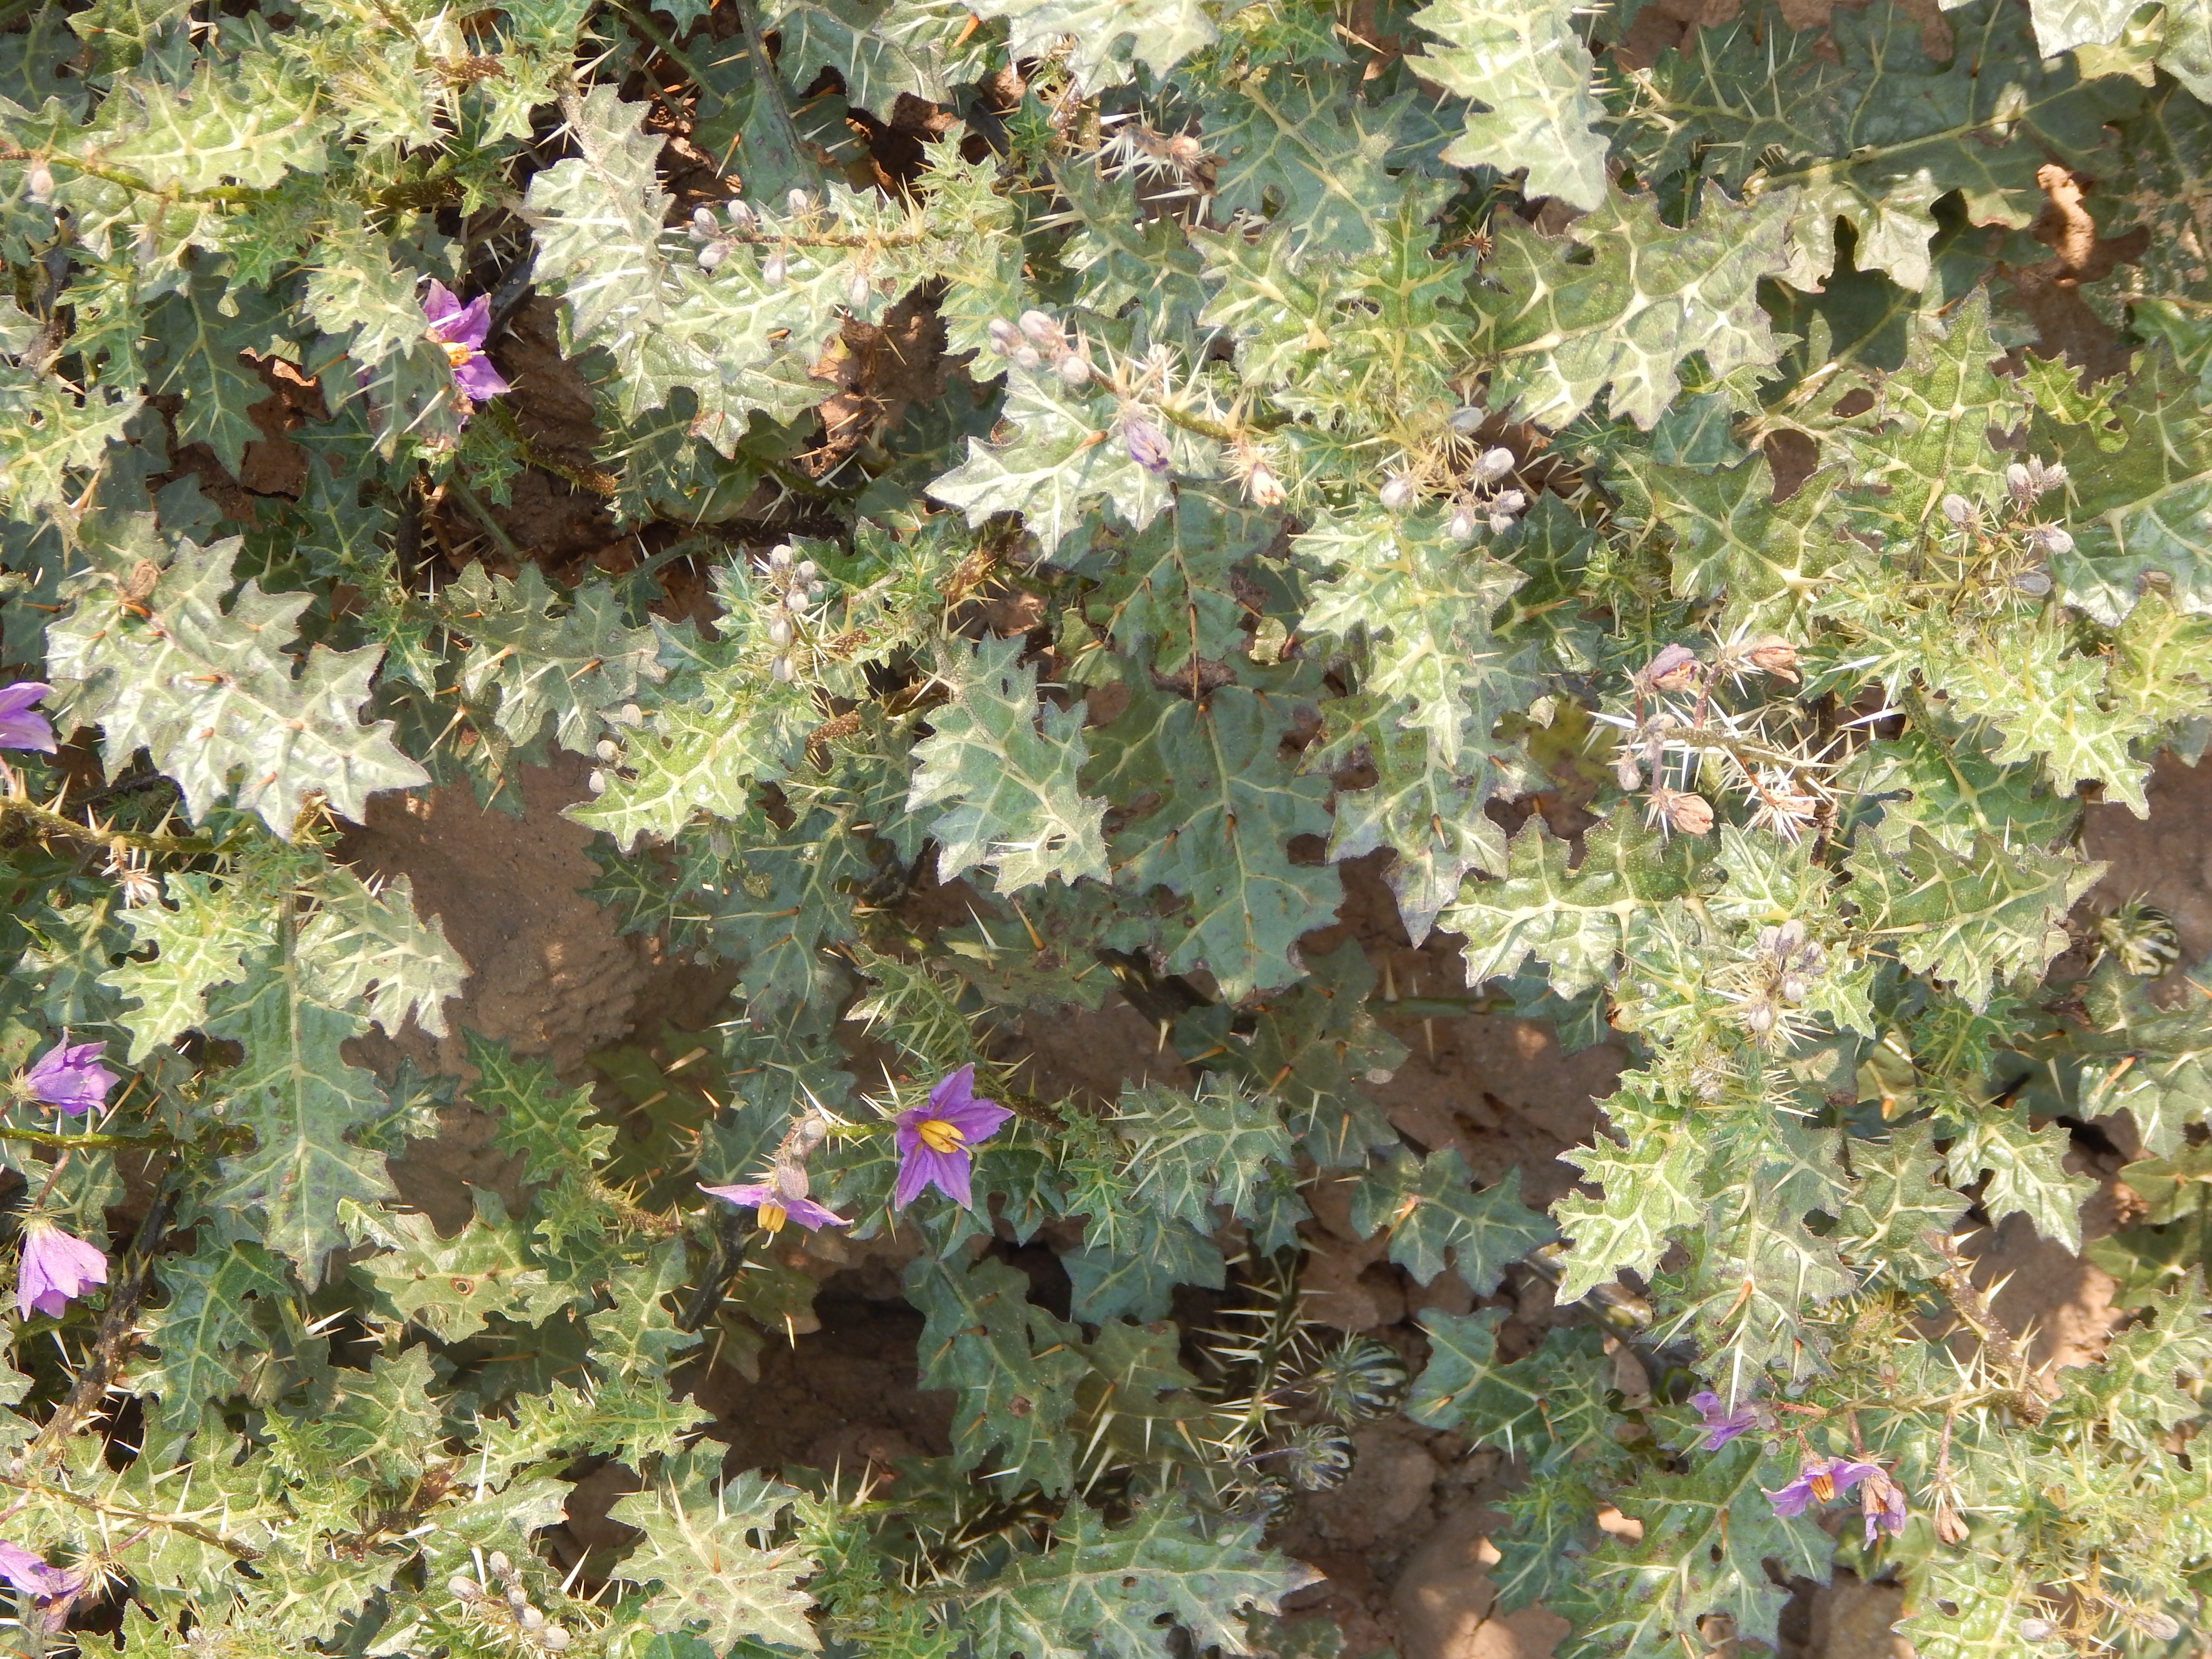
(52, 823)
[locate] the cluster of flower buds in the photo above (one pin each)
(510, 1605)
(1035, 339)
(1484, 500)
(609, 751)
(2026, 481)
(1777, 979)
(715, 242)
(744, 225)
(795, 586)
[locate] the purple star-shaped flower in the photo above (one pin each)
(70, 1078)
(55, 1268)
(1821, 1478)
(933, 1139)
(461, 329)
(773, 1206)
(21, 728)
(30, 1574)
(1721, 1426)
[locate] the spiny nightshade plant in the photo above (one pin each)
(1129, 459)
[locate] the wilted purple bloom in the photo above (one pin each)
(19, 728)
(70, 1078)
(56, 1267)
(461, 329)
(1821, 1478)
(1147, 447)
(1883, 1503)
(773, 1206)
(933, 1139)
(1721, 1426)
(30, 1574)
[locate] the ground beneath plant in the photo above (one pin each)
(1404, 1541)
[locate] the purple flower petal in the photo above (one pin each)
(21, 728)
(56, 1268)
(467, 326)
(70, 1078)
(1721, 1426)
(479, 380)
(798, 1208)
(30, 1574)
(441, 307)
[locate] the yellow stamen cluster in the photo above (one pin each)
(939, 1136)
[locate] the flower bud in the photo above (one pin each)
(1626, 771)
(1025, 357)
(1500, 523)
(796, 599)
(2037, 1629)
(555, 1638)
(39, 183)
(462, 1587)
(605, 749)
(1145, 446)
(807, 570)
(857, 292)
(740, 217)
(702, 224)
(1262, 486)
(2053, 475)
(1680, 809)
(597, 783)
(1399, 493)
(779, 630)
(1494, 464)
(1510, 500)
(1959, 510)
(1461, 528)
(2033, 583)
(2051, 541)
(2018, 480)
(1004, 336)
(1791, 988)
(529, 1617)
(782, 671)
(1465, 419)
(773, 270)
(1758, 1017)
(779, 556)
(1775, 656)
(1075, 372)
(500, 1566)
(712, 254)
(797, 203)
(516, 1597)
(2161, 1627)
(1044, 329)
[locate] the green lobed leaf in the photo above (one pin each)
(1005, 771)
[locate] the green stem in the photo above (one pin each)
(54, 823)
(96, 1143)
